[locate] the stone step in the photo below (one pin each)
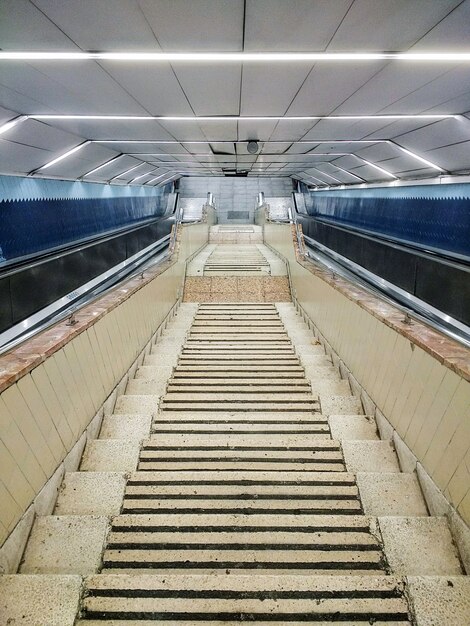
(270, 387)
(286, 369)
(246, 427)
(290, 417)
(237, 359)
(237, 373)
(186, 600)
(253, 363)
(239, 405)
(271, 383)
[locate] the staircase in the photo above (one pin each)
(238, 480)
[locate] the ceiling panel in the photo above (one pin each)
(79, 163)
(40, 135)
(187, 130)
(93, 89)
(154, 87)
(395, 81)
(50, 96)
(19, 159)
(449, 33)
(101, 24)
(292, 130)
(388, 24)
(434, 96)
(269, 90)
(293, 25)
(221, 88)
(6, 115)
(115, 129)
(211, 90)
(23, 26)
(252, 129)
(436, 135)
(14, 101)
(328, 86)
(198, 25)
(455, 157)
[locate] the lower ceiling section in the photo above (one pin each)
(354, 114)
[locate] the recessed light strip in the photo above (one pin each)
(416, 156)
(241, 118)
(206, 142)
(131, 169)
(62, 156)
(323, 182)
(157, 178)
(141, 176)
(211, 57)
(327, 175)
(119, 156)
(377, 167)
(348, 172)
(12, 123)
(167, 180)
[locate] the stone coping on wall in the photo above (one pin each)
(446, 350)
(21, 360)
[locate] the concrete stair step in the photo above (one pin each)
(110, 455)
(287, 369)
(39, 600)
(241, 336)
(293, 599)
(354, 427)
(91, 493)
(131, 426)
(240, 345)
(234, 360)
(229, 388)
(65, 544)
(242, 428)
(239, 373)
(391, 494)
(289, 417)
(250, 395)
(239, 406)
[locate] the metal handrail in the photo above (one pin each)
(411, 306)
(69, 304)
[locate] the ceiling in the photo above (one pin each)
(328, 151)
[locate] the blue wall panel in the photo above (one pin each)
(37, 214)
(437, 216)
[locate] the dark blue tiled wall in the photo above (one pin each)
(37, 215)
(437, 216)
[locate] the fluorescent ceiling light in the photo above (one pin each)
(241, 118)
(140, 176)
(348, 172)
(377, 167)
(131, 169)
(63, 156)
(167, 180)
(416, 156)
(119, 156)
(215, 141)
(157, 177)
(210, 57)
(327, 175)
(12, 123)
(319, 180)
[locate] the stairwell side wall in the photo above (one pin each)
(422, 391)
(46, 408)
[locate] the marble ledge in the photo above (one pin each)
(22, 360)
(444, 349)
